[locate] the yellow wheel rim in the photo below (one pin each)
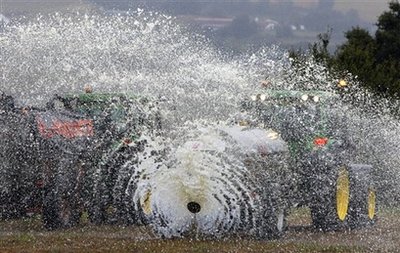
(371, 203)
(342, 193)
(145, 203)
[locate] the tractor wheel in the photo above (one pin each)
(58, 211)
(330, 203)
(101, 203)
(362, 206)
(273, 224)
(347, 202)
(99, 210)
(61, 203)
(273, 221)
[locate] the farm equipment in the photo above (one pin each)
(339, 192)
(216, 180)
(87, 152)
(61, 159)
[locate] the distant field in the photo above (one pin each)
(43, 6)
(28, 236)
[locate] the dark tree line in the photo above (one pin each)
(376, 60)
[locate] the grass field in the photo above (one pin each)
(28, 236)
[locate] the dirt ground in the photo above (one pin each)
(28, 236)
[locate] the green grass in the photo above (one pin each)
(70, 242)
(27, 235)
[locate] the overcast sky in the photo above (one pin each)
(368, 9)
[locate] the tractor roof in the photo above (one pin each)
(95, 104)
(316, 95)
(100, 97)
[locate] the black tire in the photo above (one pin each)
(101, 203)
(18, 167)
(61, 197)
(330, 212)
(274, 224)
(324, 211)
(110, 204)
(276, 192)
(273, 221)
(362, 197)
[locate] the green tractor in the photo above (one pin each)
(67, 158)
(339, 191)
(119, 121)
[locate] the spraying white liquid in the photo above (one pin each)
(149, 54)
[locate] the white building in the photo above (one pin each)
(4, 20)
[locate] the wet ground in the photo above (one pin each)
(27, 235)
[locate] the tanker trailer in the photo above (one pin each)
(214, 181)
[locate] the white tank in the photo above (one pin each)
(220, 180)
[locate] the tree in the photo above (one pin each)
(357, 55)
(376, 61)
(388, 33)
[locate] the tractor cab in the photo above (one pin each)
(118, 118)
(119, 113)
(305, 119)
